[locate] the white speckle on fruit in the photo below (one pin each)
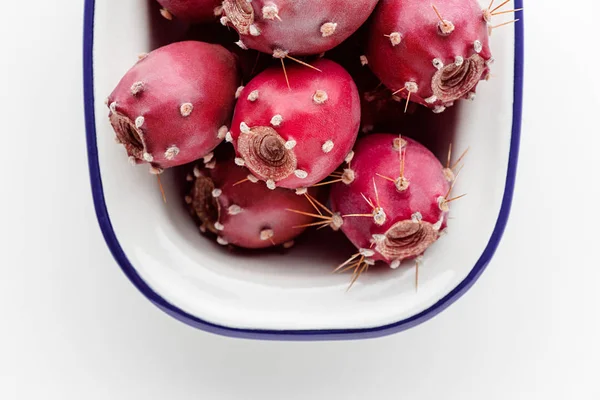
(270, 11)
(320, 97)
(222, 132)
(417, 217)
(253, 96)
(166, 14)
(327, 146)
(276, 120)
(328, 29)
(244, 128)
(240, 161)
(254, 31)
(395, 38)
(211, 165)
(137, 87)
(266, 234)
(186, 109)
(379, 216)
(349, 157)
(239, 91)
(279, 53)
(208, 158)
(411, 87)
(366, 252)
(234, 209)
(171, 152)
(301, 174)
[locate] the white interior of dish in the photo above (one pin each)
(297, 290)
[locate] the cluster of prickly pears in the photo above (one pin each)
(271, 145)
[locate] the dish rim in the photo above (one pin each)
(295, 335)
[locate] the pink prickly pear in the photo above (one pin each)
(227, 201)
(296, 137)
(430, 55)
(397, 204)
(172, 107)
(297, 27)
(191, 10)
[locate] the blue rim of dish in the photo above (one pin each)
(307, 335)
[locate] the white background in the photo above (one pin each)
(72, 326)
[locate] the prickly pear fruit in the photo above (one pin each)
(294, 137)
(227, 200)
(191, 10)
(397, 204)
(296, 27)
(171, 108)
(431, 55)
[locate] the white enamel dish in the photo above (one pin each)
(292, 296)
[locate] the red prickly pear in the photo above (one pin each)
(171, 108)
(430, 55)
(227, 201)
(191, 10)
(296, 137)
(397, 205)
(297, 27)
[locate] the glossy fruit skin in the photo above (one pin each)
(169, 109)
(300, 27)
(410, 52)
(415, 206)
(317, 117)
(246, 214)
